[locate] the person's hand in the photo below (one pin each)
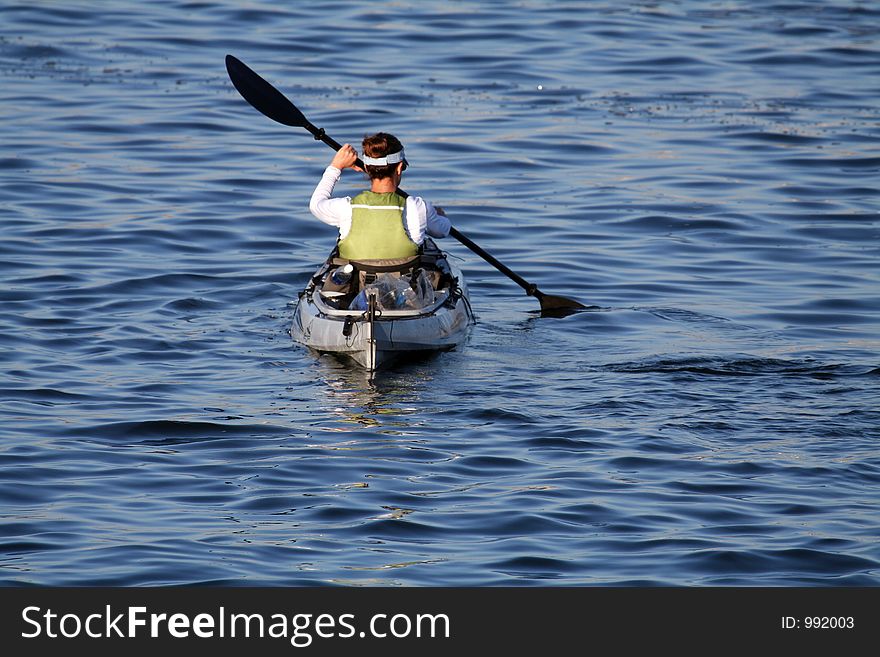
(345, 158)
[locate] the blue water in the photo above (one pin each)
(703, 174)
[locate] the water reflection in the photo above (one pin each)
(392, 401)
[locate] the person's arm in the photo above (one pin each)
(333, 211)
(423, 219)
(437, 224)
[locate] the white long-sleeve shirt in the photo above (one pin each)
(419, 216)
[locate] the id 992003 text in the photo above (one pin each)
(818, 623)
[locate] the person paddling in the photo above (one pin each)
(379, 223)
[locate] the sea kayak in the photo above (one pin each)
(363, 322)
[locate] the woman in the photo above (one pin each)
(379, 223)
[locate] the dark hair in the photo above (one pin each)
(380, 145)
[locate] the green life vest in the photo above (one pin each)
(377, 231)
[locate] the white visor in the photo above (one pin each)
(391, 158)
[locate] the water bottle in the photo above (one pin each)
(342, 275)
(406, 298)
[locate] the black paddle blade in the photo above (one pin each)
(262, 95)
(553, 306)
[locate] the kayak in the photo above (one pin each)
(384, 313)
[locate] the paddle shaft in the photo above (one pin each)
(530, 288)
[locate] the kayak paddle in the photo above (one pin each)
(269, 101)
